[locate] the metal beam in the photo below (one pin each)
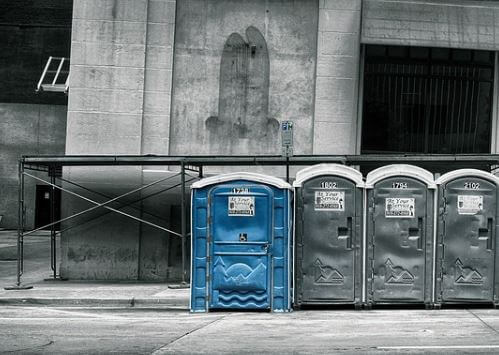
(276, 160)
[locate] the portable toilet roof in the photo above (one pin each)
(329, 169)
(466, 172)
(264, 179)
(400, 169)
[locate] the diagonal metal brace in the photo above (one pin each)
(104, 205)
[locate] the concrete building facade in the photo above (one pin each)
(30, 123)
(218, 76)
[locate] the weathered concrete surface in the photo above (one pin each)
(26, 129)
(67, 293)
(455, 24)
(36, 258)
(337, 77)
(103, 245)
(80, 330)
(158, 76)
(30, 32)
(202, 29)
(119, 103)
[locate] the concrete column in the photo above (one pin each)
(337, 78)
(105, 111)
(107, 77)
(158, 77)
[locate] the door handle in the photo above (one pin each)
(486, 233)
(265, 247)
(416, 233)
(346, 233)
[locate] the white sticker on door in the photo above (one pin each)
(399, 207)
(241, 206)
(329, 201)
(469, 204)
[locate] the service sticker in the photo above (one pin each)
(329, 201)
(243, 206)
(469, 204)
(399, 207)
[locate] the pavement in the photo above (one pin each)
(71, 293)
(60, 317)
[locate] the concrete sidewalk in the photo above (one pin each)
(70, 293)
(64, 293)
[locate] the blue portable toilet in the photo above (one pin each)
(241, 243)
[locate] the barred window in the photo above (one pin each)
(427, 100)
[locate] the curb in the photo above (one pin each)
(97, 302)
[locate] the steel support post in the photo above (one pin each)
(52, 224)
(287, 169)
(20, 231)
(20, 225)
(183, 223)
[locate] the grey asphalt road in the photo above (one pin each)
(79, 330)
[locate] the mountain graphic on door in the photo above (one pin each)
(239, 276)
(467, 275)
(397, 274)
(325, 274)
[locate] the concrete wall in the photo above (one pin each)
(336, 87)
(201, 123)
(30, 32)
(119, 103)
(455, 24)
(135, 61)
(30, 123)
(450, 24)
(26, 129)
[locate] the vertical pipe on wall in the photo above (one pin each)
(495, 106)
(364, 245)
(360, 86)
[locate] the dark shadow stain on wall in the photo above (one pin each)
(243, 125)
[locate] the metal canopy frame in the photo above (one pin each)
(52, 165)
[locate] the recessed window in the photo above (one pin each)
(427, 100)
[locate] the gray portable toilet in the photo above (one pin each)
(400, 200)
(328, 235)
(467, 263)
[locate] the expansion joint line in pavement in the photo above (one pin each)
(163, 347)
(485, 323)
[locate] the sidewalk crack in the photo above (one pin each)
(163, 347)
(485, 323)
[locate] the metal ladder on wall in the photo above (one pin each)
(55, 76)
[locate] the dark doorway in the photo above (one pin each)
(427, 100)
(42, 206)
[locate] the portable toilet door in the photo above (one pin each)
(327, 235)
(241, 243)
(400, 235)
(467, 260)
